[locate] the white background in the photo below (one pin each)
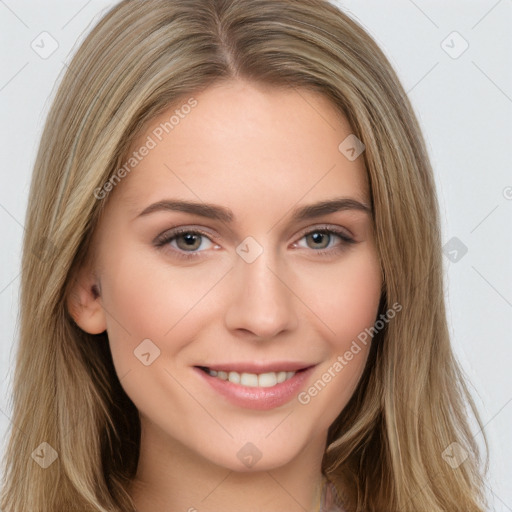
(464, 105)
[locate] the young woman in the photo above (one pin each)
(232, 293)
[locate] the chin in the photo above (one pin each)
(262, 454)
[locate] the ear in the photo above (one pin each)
(84, 303)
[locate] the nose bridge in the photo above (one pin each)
(260, 301)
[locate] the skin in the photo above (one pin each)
(259, 151)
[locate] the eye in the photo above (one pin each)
(325, 240)
(183, 240)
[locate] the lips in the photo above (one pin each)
(256, 386)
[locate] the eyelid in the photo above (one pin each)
(178, 230)
(338, 230)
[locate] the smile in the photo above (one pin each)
(266, 389)
(251, 380)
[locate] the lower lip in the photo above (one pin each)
(257, 397)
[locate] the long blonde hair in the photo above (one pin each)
(385, 450)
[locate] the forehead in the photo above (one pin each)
(239, 141)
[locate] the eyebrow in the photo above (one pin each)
(223, 214)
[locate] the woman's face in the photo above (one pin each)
(215, 253)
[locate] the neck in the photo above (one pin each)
(172, 477)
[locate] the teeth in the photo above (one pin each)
(248, 379)
(253, 380)
(267, 380)
(234, 377)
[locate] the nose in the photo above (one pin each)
(262, 303)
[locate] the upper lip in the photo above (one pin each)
(255, 367)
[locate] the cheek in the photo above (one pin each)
(347, 305)
(149, 298)
(346, 296)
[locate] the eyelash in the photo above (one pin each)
(167, 237)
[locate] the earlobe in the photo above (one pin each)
(84, 305)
